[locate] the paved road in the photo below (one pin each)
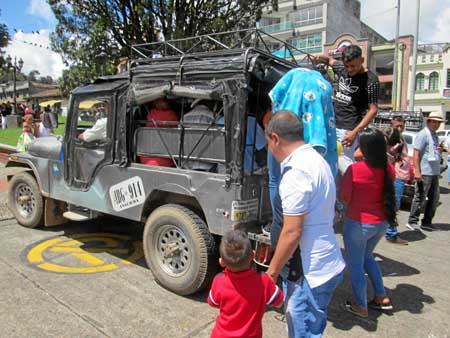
(49, 288)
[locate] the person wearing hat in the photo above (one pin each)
(426, 159)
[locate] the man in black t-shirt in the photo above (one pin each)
(355, 97)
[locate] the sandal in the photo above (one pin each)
(373, 304)
(349, 308)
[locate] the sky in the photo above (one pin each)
(30, 16)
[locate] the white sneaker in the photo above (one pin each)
(412, 226)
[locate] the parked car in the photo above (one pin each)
(442, 135)
(409, 137)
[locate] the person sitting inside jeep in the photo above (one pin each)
(98, 130)
(160, 113)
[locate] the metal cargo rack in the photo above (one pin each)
(215, 43)
(413, 119)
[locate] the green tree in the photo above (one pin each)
(4, 39)
(32, 75)
(89, 28)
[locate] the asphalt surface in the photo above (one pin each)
(53, 289)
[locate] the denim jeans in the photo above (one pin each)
(448, 167)
(359, 241)
(347, 158)
(306, 308)
(427, 188)
(275, 200)
(399, 187)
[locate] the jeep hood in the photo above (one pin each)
(45, 147)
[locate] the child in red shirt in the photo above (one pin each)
(239, 292)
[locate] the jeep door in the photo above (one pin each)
(89, 139)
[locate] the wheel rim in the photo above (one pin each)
(25, 200)
(174, 254)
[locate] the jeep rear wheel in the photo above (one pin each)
(179, 249)
(25, 200)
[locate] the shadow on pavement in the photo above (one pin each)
(444, 190)
(442, 226)
(391, 268)
(412, 236)
(405, 297)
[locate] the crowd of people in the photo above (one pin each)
(304, 190)
(36, 123)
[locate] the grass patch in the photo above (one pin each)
(10, 136)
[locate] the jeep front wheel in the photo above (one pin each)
(179, 249)
(25, 200)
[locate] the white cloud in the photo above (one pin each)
(41, 8)
(433, 22)
(36, 57)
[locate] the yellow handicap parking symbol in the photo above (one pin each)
(84, 253)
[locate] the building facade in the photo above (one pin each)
(432, 92)
(310, 24)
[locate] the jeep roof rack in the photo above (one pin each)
(413, 119)
(223, 41)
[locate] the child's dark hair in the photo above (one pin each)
(351, 53)
(394, 139)
(235, 249)
(373, 146)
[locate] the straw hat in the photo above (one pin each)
(435, 116)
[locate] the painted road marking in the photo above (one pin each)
(83, 253)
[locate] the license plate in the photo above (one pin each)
(127, 194)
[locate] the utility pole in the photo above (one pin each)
(395, 93)
(412, 85)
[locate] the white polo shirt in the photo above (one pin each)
(308, 188)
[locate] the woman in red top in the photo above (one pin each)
(156, 117)
(368, 191)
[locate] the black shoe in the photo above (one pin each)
(428, 227)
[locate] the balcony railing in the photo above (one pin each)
(279, 27)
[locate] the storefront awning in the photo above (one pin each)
(49, 103)
(88, 104)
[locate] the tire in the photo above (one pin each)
(25, 200)
(191, 262)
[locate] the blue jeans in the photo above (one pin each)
(448, 167)
(275, 200)
(360, 240)
(399, 187)
(306, 308)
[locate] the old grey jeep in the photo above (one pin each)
(186, 207)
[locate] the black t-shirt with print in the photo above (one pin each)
(352, 96)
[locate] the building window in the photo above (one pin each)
(310, 43)
(447, 117)
(448, 78)
(432, 58)
(433, 82)
(424, 58)
(420, 82)
(440, 58)
(306, 16)
(269, 21)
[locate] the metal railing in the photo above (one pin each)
(277, 28)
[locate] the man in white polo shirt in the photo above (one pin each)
(308, 196)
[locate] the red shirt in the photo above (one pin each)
(362, 191)
(158, 115)
(242, 298)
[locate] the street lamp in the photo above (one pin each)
(16, 66)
